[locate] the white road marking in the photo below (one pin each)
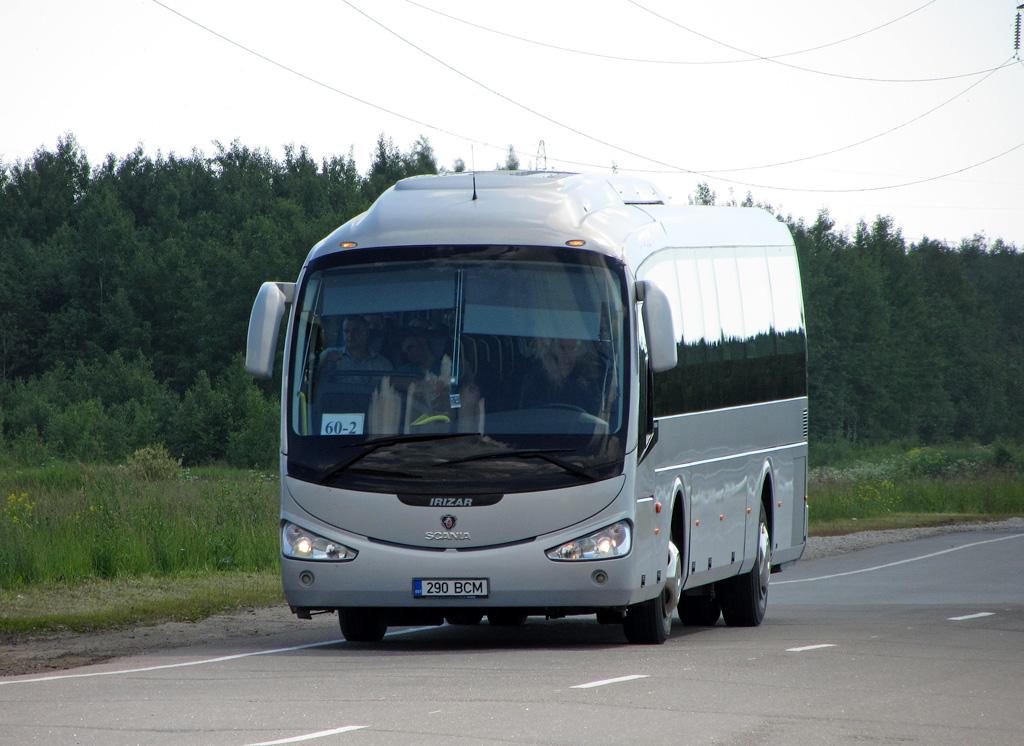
(900, 562)
(605, 682)
(311, 736)
(810, 647)
(200, 662)
(979, 615)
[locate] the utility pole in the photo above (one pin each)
(1016, 34)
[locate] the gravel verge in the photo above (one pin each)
(827, 546)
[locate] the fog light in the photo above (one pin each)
(600, 577)
(306, 578)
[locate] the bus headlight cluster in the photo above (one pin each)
(298, 543)
(611, 541)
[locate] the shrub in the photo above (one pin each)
(153, 463)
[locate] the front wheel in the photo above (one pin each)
(362, 625)
(650, 622)
(647, 623)
(744, 598)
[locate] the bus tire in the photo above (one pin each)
(647, 623)
(506, 618)
(362, 625)
(744, 598)
(699, 611)
(650, 622)
(464, 617)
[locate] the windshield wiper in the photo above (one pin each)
(377, 443)
(542, 454)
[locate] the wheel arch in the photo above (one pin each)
(768, 496)
(680, 526)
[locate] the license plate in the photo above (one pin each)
(450, 588)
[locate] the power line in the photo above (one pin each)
(752, 58)
(320, 83)
(512, 101)
(873, 137)
(676, 169)
(757, 57)
(672, 168)
(915, 182)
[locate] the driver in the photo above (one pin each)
(566, 373)
(356, 354)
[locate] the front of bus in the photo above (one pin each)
(456, 411)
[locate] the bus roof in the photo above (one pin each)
(620, 216)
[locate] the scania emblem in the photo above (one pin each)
(448, 521)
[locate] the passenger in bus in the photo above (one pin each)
(431, 394)
(566, 373)
(419, 353)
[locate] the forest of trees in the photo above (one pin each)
(125, 291)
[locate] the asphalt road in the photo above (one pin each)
(919, 642)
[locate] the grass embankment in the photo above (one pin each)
(891, 488)
(90, 547)
(93, 546)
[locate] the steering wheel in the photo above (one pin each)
(560, 405)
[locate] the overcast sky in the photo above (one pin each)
(912, 109)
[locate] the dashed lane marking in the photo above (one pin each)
(899, 562)
(311, 736)
(605, 682)
(805, 648)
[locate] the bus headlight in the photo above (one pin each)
(611, 541)
(298, 543)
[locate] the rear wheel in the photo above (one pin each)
(744, 598)
(699, 611)
(362, 625)
(508, 618)
(464, 617)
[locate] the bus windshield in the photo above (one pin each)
(450, 367)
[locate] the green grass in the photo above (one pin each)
(102, 604)
(920, 486)
(71, 522)
(93, 546)
(844, 526)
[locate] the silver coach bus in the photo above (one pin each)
(512, 394)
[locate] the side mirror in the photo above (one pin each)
(657, 318)
(264, 323)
